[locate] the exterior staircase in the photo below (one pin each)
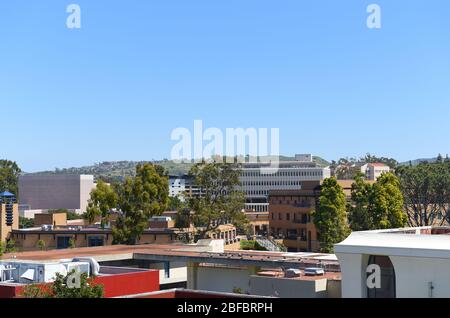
(269, 244)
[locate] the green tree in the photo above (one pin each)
(41, 245)
(388, 203)
(220, 202)
(330, 216)
(60, 288)
(103, 199)
(175, 204)
(359, 214)
(140, 198)
(376, 206)
(426, 192)
(72, 243)
(25, 223)
(9, 176)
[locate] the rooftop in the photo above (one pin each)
(187, 253)
(433, 242)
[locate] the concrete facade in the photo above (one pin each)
(47, 192)
(418, 259)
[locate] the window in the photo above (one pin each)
(288, 217)
(63, 242)
(96, 241)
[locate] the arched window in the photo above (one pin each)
(388, 284)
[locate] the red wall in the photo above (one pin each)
(129, 284)
(114, 285)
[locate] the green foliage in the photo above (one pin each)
(376, 206)
(330, 217)
(251, 246)
(70, 214)
(41, 245)
(60, 289)
(359, 216)
(220, 202)
(140, 198)
(10, 246)
(349, 168)
(426, 191)
(9, 176)
(103, 199)
(25, 223)
(175, 204)
(72, 243)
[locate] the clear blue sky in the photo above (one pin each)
(136, 70)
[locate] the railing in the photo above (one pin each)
(269, 245)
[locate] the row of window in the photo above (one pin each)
(300, 218)
(295, 173)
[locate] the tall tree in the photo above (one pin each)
(141, 197)
(103, 199)
(220, 202)
(360, 218)
(330, 216)
(376, 206)
(9, 176)
(388, 203)
(426, 191)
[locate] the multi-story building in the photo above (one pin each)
(257, 179)
(181, 186)
(290, 215)
(373, 171)
(48, 192)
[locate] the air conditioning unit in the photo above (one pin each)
(293, 273)
(314, 272)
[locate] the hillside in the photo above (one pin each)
(117, 170)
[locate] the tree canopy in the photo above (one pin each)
(141, 197)
(9, 176)
(220, 202)
(330, 216)
(426, 191)
(376, 206)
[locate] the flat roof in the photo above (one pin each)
(185, 253)
(408, 242)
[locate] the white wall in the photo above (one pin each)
(413, 276)
(288, 288)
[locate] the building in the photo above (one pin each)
(257, 183)
(9, 215)
(259, 221)
(181, 186)
(290, 212)
(373, 171)
(55, 232)
(208, 267)
(399, 263)
(117, 282)
(51, 192)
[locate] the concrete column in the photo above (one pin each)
(192, 275)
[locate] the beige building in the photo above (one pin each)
(48, 192)
(373, 171)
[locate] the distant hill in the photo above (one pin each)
(117, 170)
(418, 161)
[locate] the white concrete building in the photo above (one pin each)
(256, 183)
(402, 263)
(374, 170)
(48, 192)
